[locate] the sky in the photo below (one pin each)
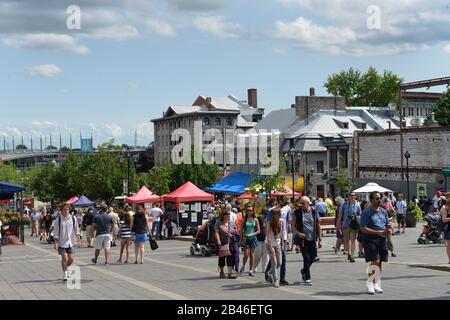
(120, 63)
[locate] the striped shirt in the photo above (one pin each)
(125, 231)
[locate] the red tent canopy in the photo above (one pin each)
(247, 196)
(72, 200)
(188, 192)
(287, 193)
(143, 196)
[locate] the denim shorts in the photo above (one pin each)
(70, 250)
(140, 238)
(251, 243)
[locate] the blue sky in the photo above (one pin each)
(132, 59)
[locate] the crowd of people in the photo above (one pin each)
(264, 239)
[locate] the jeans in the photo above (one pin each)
(275, 262)
(308, 252)
(261, 255)
(156, 224)
(283, 263)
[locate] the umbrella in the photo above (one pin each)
(371, 187)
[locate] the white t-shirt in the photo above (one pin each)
(156, 214)
(233, 221)
(400, 205)
(285, 211)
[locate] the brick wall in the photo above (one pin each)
(306, 106)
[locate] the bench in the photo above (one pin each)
(327, 223)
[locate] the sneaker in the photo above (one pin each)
(250, 274)
(106, 264)
(94, 261)
(371, 288)
(360, 255)
(316, 259)
(302, 272)
(393, 255)
(284, 283)
(66, 276)
(352, 259)
(308, 283)
(276, 284)
(377, 288)
(222, 275)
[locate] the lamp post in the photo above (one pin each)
(407, 156)
(294, 155)
(128, 156)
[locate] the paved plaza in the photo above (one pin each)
(33, 272)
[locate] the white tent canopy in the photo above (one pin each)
(371, 187)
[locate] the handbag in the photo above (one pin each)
(224, 251)
(298, 241)
(153, 244)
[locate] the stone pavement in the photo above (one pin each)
(33, 272)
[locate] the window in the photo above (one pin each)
(229, 121)
(343, 158)
(345, 125)
(217, 121)
(333, 158)
(206, 121)
(319, 166)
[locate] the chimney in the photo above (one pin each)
(252, 98)
(389, 124)
(208, 101)
(312, 92)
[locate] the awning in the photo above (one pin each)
(83, 202)
(72, 200)
(144, 196)
(235, 183)
(7, 190)
(188, 192)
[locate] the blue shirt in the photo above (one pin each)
(375, 220)
(349, 210)
(321, 207)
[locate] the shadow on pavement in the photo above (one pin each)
(50, 281)
(340, 293)
(244, 286)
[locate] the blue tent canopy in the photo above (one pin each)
(7, 190)
(83, 202)
(235, 183)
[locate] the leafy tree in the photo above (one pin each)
(157, 180)
(8, 173)
(365, 89)
(442, 110)
(343, 182)
(43, 183)
(51, 147)
(21, 147)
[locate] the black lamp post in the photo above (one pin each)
(294, 154)
(128, 156)
(407, 156)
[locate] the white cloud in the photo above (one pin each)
(46, 41)
(117, 33)
(133, 87)
(160, 28)
(145, 129)
(114, 130)
(14, 131)
(447, 48)
(42, 123)
(3, 134)
(46, 70)
(216, 26)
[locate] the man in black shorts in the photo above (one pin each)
(375, 226)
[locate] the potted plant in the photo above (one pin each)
(414, 214)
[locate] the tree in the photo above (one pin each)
(343, 182)
(21, 147)
(50, 147)
(442, 110)
(366, 89)
(8, 173)
(157, 180)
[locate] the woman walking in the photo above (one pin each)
(249, 230)
(79, 216)
(223, 237)
(445, 216)
(125, 236)
(139, 225)
(274, 245)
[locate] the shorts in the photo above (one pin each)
(350, 234)
(90, 231)
(339, 234)
(103, 241)
(140, 238)
(401, 219)
(70, 250)
(375, 248)
(251, 243)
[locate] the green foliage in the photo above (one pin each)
(267, 184)
(414, 210)
(157, 180)
(8, 173)
(343, 182)
(21, 147)
(442, 110)
(365, 89)
(10, 217)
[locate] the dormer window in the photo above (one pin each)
(345, 125)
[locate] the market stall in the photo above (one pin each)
(13, 221)
(365, 191)
(83, 202)
(189, 206)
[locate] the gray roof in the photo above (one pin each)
(278, 119)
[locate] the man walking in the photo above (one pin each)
(401, 213)
(375, 227)
(156, 214)
(67, 235)
(261, 253)
(34, 223)
(103, 224)
(348, 224)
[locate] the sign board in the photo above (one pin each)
(184, 215)
(421, 189)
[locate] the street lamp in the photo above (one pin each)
(407, 156)
(294, 154)
(127, 156)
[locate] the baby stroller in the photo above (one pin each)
(205, 241)
(430, 232)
